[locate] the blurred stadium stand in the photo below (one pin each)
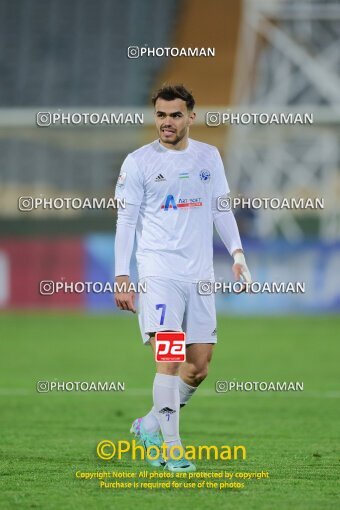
(73, 52)
(271, 55)
(289, 61)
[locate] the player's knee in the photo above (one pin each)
(201, 375)
(198, 374)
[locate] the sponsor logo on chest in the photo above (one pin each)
(182, 203)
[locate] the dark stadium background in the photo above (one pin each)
(71, 55)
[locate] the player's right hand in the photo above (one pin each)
(125, 300)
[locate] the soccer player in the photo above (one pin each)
(171, 188)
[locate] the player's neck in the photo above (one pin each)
(180, 146)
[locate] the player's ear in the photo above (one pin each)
(192, 117)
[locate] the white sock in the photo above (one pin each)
(185, 391)
(150, 422)
(166, 405)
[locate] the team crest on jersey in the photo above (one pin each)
(205, 175)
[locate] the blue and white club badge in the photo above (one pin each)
(205, 175)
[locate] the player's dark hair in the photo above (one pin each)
(171, 92)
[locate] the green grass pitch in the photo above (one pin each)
(47, 437)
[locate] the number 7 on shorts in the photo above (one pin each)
(163, 308)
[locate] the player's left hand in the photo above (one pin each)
(240, 269)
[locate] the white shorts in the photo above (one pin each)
(172, 305)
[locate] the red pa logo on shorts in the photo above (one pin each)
(170, 346)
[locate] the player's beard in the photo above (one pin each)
(177, 138)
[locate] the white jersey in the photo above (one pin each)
(175, 190)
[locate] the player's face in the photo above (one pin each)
(172, 121)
